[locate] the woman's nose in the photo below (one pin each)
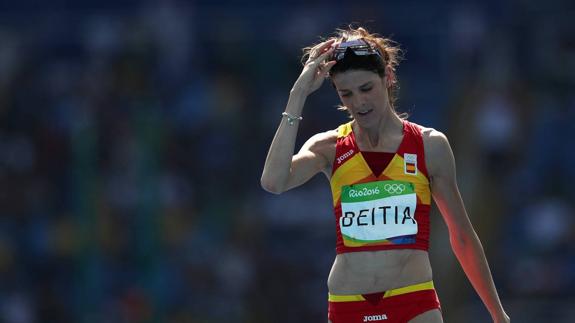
(358, 101)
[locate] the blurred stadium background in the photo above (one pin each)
(133, 135)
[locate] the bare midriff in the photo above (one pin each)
(368, 272)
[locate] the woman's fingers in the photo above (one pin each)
(326, 67)
(326, 54)
(320, 49)
(321, 59)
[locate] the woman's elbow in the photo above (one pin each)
(270, 186)
(462, 239)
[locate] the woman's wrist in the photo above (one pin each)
(298, 91)
(296, 102)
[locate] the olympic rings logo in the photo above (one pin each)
(394, 188)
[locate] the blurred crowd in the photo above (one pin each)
(133, 135)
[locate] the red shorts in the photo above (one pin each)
(393, 306)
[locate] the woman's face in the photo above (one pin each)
(364, 93)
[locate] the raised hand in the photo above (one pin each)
(316, 68)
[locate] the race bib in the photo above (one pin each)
(378, 213)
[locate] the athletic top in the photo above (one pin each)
(385, 211)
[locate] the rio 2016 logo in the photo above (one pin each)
(363, 192)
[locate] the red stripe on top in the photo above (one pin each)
(344, 150)
(377, 161)
(413, 145)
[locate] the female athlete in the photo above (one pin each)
(383, 171)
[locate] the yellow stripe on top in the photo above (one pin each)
(392, 292)
(344, 130)
(395, 171)
(348, 173)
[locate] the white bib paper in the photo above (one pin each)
(378, 212)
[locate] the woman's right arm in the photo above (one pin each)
(283, 170)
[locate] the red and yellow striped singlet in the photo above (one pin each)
(389, 211)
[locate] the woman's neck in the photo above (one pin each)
(385, 128)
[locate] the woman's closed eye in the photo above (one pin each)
(348, 94)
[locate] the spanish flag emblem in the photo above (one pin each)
(410, 164)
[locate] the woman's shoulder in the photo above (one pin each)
(431, 137)
(437, 148)
(323, 140)
(323, 144)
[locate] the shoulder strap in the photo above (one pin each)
(414, 144)
(344, 130)
(345, 146)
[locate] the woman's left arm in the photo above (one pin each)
(464, 241)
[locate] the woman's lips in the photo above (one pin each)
(364, 113)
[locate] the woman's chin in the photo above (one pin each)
(366, 121)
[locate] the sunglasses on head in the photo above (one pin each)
(358, 46)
